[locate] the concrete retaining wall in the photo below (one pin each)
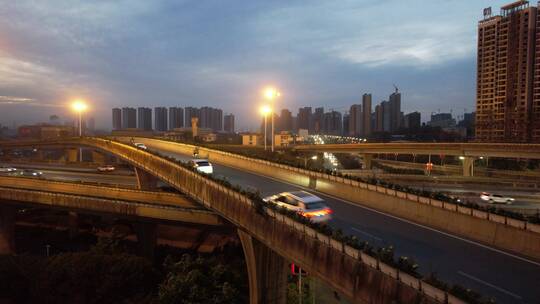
(493, 230)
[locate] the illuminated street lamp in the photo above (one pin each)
(271, 94)
(265, 110)
(79, 106)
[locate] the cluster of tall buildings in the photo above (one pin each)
(171, 118)
(359, 121)
(508, 75)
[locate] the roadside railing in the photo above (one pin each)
(494, 215)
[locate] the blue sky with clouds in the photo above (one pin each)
(222, 53)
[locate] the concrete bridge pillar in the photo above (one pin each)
(367, 159)
(7, 230)
(72, 155)
(73, 224)
(468, 166)
(146, 238)
(145, 181)
(267, 272)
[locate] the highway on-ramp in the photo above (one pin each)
(504, 276)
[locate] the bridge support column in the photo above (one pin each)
(267, 272)
(145, 181)
(468, 166)
(73, 224)
(367, 159)
(146, 238)
(7, 230)
(72, 155)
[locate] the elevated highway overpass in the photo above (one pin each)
(468, 151)
(454, 259)
(269, 239)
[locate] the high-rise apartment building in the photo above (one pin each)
(394, 119)
(318, 120)
(116, 119)
(129, 118)
(191, 112)
(217, 120)
(228, 123)
(211, 118)
(508, 75)
(412, 121)
(378, 118)
(346, 124)
(160, 119)
(144, 118)
(386, 116)
(356, 121)
(333, 123)
(176, 117)
(366, 111)
(304, 119)
(285, 121)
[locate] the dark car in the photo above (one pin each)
(30, 173)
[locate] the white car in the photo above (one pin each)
(140, 146)
(7, 169)
(106, 168)
(202, 165)
(305, 203)
(496, 198)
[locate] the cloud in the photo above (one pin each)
(169, 52)
(24, 101)
(420, 46)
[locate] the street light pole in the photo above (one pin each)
(265, 132)
(271, 94)
(80, 134)
(79, 106)
(272, 131)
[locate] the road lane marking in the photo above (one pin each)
(490, 285)
(366, 234)
(394, 217)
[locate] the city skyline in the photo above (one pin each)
(433, 64)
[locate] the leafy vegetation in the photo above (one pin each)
(108, 274)
(197, 280)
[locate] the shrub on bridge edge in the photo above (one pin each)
(383, 254)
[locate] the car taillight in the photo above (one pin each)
(325, 211)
